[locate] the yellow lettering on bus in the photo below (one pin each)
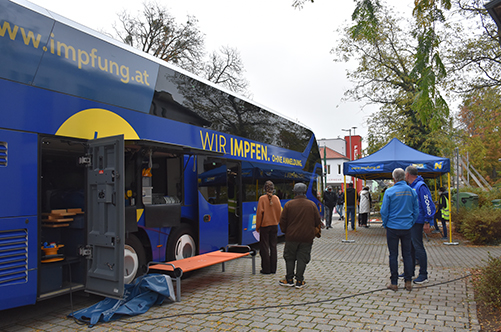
(246, 148)
(239, 150)
(66, 50)
(12, 32)
(208, 140)
(222, 144)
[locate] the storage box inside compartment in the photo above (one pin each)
(51, 277)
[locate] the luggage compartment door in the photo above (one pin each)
(105, 212)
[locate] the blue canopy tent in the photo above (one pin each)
(381, 164)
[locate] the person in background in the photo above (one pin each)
(340, 204)
(268, 213)
(365, 206)
(423, 222)
(299, 220)
(443, 209)
(399, 212)
(350, 205)
(330, 200)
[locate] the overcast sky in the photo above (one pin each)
(286, 51)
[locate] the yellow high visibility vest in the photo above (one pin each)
(445, 210)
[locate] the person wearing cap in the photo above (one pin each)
(299, 220)
(267, 218)
(330, 200)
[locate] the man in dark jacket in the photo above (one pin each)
(350, 206)
(330, 200)
(299, 219)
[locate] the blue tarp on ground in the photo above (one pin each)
(139, 297)
(381, 164)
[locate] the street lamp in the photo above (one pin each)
(349, 143)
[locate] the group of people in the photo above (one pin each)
(332, 200)
(407, 210)
(299, 220)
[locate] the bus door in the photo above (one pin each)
(218, 203)
(105, 216)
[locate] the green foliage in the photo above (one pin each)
(480, 120)
(488, 283)
(479, 225)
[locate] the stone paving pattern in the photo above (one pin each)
(345, 291)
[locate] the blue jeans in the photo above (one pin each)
(393, 237)
(418, 252)
(350, 215)
(339, 209)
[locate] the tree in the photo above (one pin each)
(385, 75)
(480, 120)
(474, 51)
(226, 68)
(156, 32)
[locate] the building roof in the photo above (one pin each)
(331, 154)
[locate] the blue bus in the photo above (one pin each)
(114, 158)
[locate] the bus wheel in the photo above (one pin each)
(181, 243)
(134, 259)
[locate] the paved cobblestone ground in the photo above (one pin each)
(346, 291)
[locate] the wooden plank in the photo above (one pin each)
(54, 225)
(76, 211)
(54, 219)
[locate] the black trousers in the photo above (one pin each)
(268, 248)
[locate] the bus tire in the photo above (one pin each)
(134, 259)
(181, 243)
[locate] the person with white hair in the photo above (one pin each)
(399, 212)
(299, 221)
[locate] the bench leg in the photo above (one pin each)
(178, 289)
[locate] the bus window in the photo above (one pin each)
(213, 186)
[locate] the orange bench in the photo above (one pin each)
(177, 268)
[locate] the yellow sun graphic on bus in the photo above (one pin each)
(96, 123)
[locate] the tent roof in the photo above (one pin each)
(381, 164)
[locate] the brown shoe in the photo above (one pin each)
(408, 285)
(393, 287)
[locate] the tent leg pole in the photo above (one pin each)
(450, 214)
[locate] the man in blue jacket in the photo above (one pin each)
(399, 211)
(423, 222)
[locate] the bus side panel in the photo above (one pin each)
(18, 281)
(18, 219)
(18, 174)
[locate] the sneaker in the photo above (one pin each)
(436, 231)
(401, 275)
(420, 280)
(392, 287)
(285, 282)
(300, 284)
(408, 285)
